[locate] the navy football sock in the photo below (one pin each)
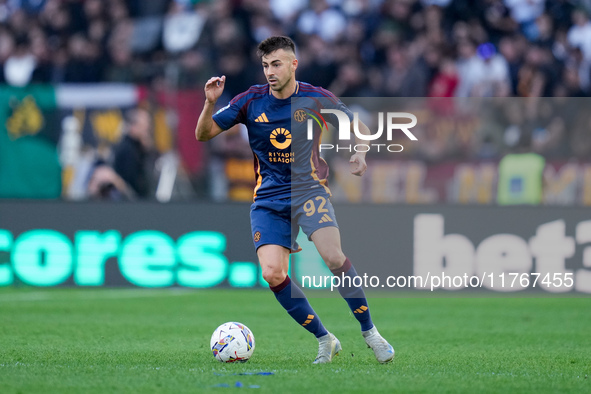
(291, 297)
(355, 296)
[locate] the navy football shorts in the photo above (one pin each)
(277, 222)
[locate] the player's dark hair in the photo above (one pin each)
(274, 43)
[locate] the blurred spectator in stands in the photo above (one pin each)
(117, 10)
(58, 66)
(182, 29)
(121, 34)
(19, 22)
(580, 141)
(345, 51)
(508, 47)
(571, 82)
(446, 79)
(525, 12)
(5, 11)
(351, 82)
(560, 11)
(484, 73)
(194, 68)
(287, 11)
(262, 27)
(317, 64)
(98, 31)
(139, 8)
(56, 19)
(544, 31)
(43, 55)
(229, 36)
(403, 75)
(105, 184)
(230, 168)
(535, 77)
(6, 48)
(132, 153)
(465, 62)
(491, 78)
(549, 140)
(327, 22)
(84, 64)
(433, 25)
(93, 9)
(579, 35)
(583, 66)
(496, 19)
(515, 129)
(396, 18)
(356, 36)
(6, 44)
(20, 65)
(430, 60)
(239, 73)
(488, 137)
(560, 45)
(121, 68)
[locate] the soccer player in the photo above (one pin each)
(287, 198)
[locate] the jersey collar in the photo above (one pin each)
(273, 98)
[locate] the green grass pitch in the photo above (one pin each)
(157, 341)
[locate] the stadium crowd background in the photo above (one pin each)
(355, 48)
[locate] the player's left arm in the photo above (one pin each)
(358, 164)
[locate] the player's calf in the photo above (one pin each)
(293, 300)
(353, 295)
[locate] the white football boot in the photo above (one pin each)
(383, 351)
(328, 347)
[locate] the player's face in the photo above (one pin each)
(279, 68)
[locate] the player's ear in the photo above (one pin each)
(294, 64)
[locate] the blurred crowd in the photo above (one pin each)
(398, 48)
(355, 48)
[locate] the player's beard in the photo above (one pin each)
(278, 87)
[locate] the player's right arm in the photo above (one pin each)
(206, 127)
(358, 164)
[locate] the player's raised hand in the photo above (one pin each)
(358, 164)
(214, 88)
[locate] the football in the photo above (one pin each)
(232, 342)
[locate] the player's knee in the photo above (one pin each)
(273, 276)
(334, 258)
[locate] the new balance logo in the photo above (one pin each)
(361, 309)
(325, 219)
(262, 118)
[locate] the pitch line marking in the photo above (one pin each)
(93, 295)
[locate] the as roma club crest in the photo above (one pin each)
(299, 115)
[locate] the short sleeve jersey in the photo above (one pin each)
(286, 160)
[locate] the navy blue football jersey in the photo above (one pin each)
(286, 161)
